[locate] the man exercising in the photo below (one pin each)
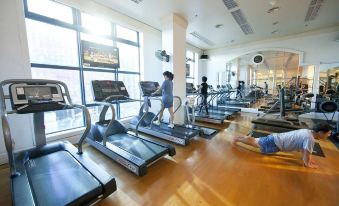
(298, 140)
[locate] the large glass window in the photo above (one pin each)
(191, 67)
(96, 39)
(50, 44)
(127, 34)
(54, 37)
(43, 7)
(96, 25)
(129, 57)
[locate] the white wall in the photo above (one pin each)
(314, 48)
(14, 63)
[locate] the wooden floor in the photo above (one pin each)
(212, 172)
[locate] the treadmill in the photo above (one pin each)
(111, 138)
(179, 134)
(55, 173)
(215, 118)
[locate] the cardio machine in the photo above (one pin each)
(179, 134)
(280, 124)
(112, 139)
(55, 173)
(213, 117)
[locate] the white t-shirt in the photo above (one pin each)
(296, 140)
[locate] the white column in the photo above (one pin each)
(174, 42)
(15, 64)
(316, 84)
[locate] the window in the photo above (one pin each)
(96, 25)
(129, 109)
(50, 44)
(96, 39)
(54, 33)
(192, 67)
(129, 57)
(127, 34)
(96, 110)
(43, 7)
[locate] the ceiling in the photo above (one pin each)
(272, 60)
(204, 15)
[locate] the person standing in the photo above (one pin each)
(167, 97)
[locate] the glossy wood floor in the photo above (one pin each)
(212, 172)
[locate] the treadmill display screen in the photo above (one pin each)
(36, 93)
(147, 88)
(103, 89)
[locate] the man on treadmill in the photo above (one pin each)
(203, 91)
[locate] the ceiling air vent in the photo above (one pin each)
(230, 4)
(201, 38)
(242, 22)
(137, 1)
(313, 9)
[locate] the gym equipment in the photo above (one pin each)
(283, 123)
(331, 107)
(179, 134)
(112, 139)
(225, 99)
(55, 173)
(205, 132)
(215, 118)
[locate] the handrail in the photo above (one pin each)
(88, 125)
(180, 104)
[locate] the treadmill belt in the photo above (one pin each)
(208, 133)
(58, 179)
(143, 149)
(210, 116)
(177, 131)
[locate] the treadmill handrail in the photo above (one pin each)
(108, 103)
(88, 125)
(180, 104)
(102, 117)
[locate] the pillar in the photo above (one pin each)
(174, 42)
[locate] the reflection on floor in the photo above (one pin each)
(212, 172)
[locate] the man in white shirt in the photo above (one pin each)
(298, 140)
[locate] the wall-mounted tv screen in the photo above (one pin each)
(98, 55)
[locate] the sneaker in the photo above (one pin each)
(171, 126)
(157, 122)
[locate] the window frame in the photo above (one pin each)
(78, 28)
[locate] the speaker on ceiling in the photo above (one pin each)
(258, 59)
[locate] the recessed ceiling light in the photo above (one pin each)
(218, 26)
(273, 9)
(275, 23)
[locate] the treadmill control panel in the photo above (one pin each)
(103, 89)
(148, 87)
(31, 98)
